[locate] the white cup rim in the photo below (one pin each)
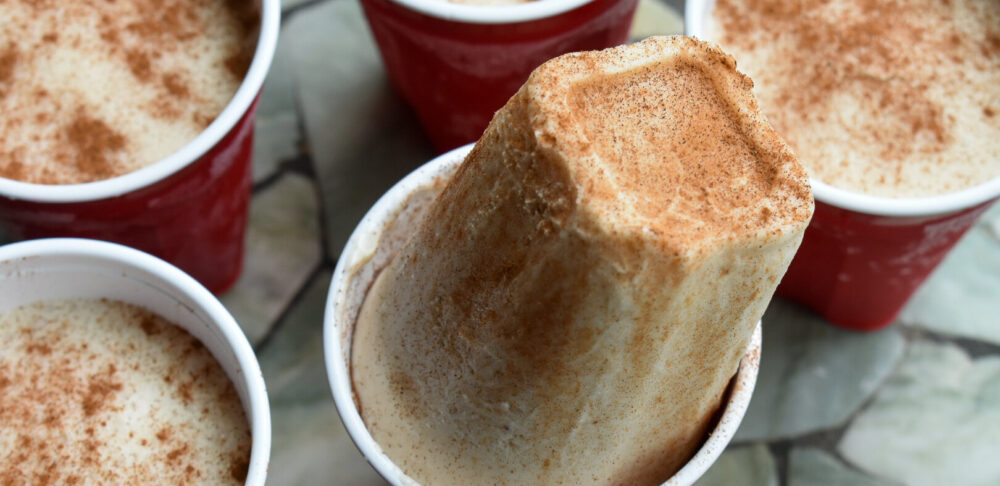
(186, 155)
(260, 423)
(491, 14)
(696, 16)
(359, 248)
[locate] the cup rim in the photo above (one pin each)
(237, 107)
(491, 14)
(361, 245)
(696, 16)
(260, 418)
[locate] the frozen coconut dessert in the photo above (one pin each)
(890, 98)
(103, 392)
(577, 298)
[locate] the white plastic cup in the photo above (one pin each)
(69, 268)
(356, 269)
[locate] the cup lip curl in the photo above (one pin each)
(492, 14)
(696, 16)
(337, 332)
(234, 111)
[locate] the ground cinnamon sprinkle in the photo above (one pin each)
(139, 63)
(175, 86)
(70, 406)
(93, 145)
(840, 56)
(178, 67)
(100, 390)
(898, 91)
(8, 60)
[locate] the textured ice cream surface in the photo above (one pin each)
(574, 303)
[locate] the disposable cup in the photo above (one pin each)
(368, 249)
(863, 256)
(189, 208)
(67, 268)
(456, 64)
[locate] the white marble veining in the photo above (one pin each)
(810, 466)
(813, 376)
(748, 465)
(935, 421)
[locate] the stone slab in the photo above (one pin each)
(282, 250)
(935, 421)
(813, 376)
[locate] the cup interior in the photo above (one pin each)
(236, 109)
(356, 269)
(74, 268)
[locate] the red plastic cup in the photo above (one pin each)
(863, 256)
(189, 208)
(456, 64)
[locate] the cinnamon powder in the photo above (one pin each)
(8, 60)
(140, 36)
(92, 146)
(73, 409)
(894, 86)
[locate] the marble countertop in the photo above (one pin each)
(917, 403)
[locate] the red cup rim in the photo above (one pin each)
(696, 15)
(491, 14)
(208, 138)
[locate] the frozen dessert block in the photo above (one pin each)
(576, 300)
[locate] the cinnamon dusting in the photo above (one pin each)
(8, 61)
(75, 413)
(147, 46)
(871, 104)
(93, 146)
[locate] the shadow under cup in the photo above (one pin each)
(189, 208)
(863, 257)
(457, 64)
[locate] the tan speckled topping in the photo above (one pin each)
(691, 157)
(579, 295)
(101, 392)
(897, 98)
(93, 89)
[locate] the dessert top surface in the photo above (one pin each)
(665, 135)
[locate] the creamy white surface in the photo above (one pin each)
(108, 393)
